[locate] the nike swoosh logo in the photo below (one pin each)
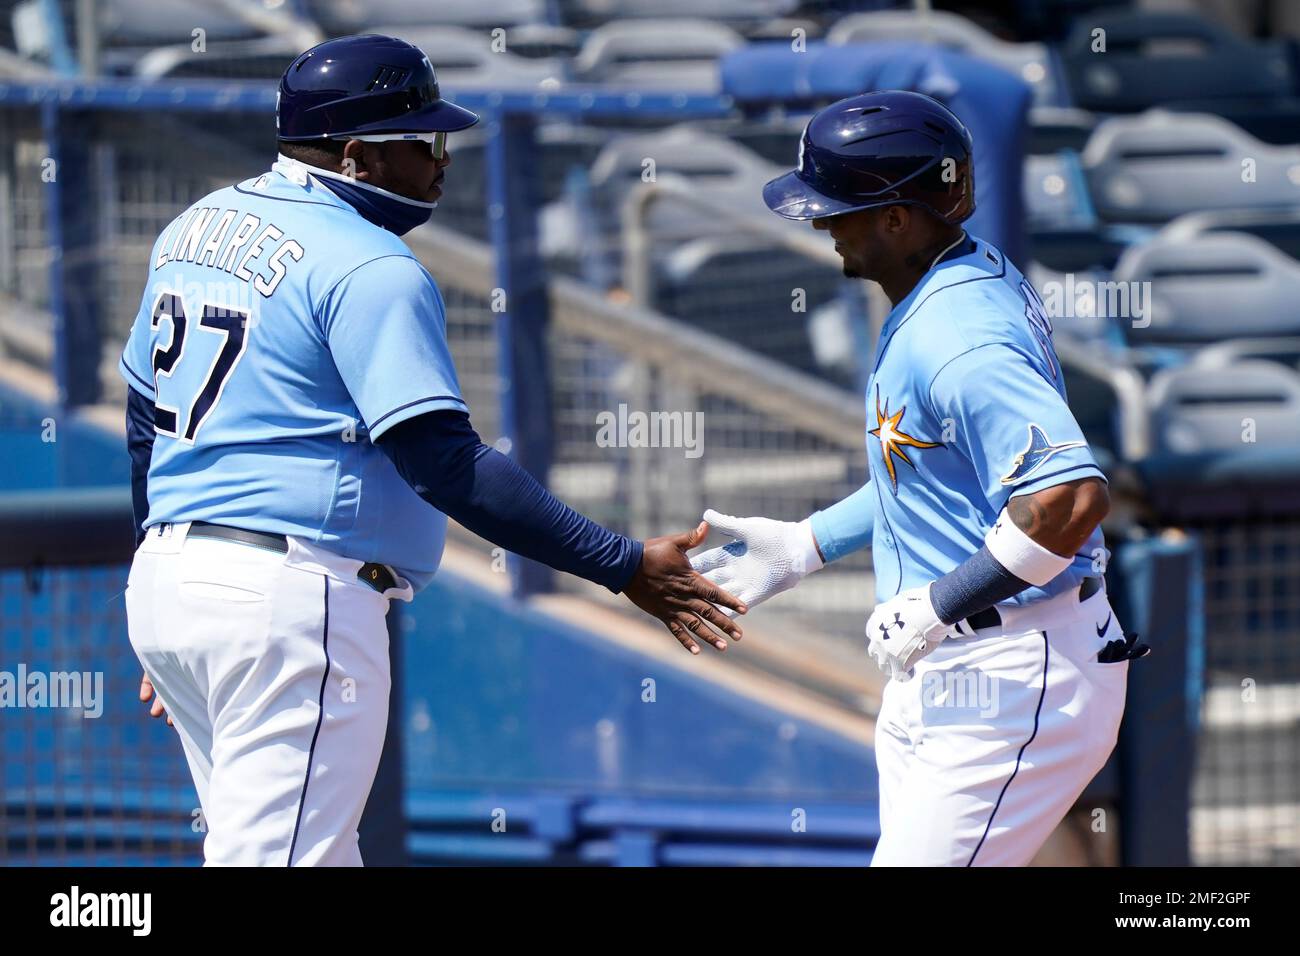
(1102, 628)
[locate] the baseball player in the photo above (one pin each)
(1007, 667)
(298, 437)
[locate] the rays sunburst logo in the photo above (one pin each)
(893, 440)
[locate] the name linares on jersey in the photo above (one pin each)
(238, 250)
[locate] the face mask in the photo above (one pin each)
(385, 209)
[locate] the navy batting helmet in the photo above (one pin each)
(363, 86)
(879, 149)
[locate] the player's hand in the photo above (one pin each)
(766, 558)
(903, 630)
(147, 694)
(665, 587)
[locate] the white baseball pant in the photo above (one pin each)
(983, 752)
(274, 669)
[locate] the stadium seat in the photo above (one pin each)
(540, 40)
(148, 23)
(1284, 350)
(1065, 233)
(774, 138)
(1032, 62)
(21, 69)
(727, 170)
(682, 150)
(742, 290)
(591, 12)
(263, 58)
(782, 29)
(1056, 193)
(1281, 227)
(1249, 404)
(238, 41)
(1270, 121)
(582, 231)
(347, 16)
(465, 60)
(1158, 165)
(1056, 128)
(1156, 58)
(1211, 287)
(656, 54)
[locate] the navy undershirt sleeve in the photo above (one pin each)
(440, 455)
(139, 443)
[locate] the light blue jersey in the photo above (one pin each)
(280, 333)
(966, 407)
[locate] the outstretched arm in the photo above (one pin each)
(441, 457)
(845, 526)
(769, 557)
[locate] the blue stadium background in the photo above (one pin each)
(611, 198)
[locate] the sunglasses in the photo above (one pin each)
(437, 140)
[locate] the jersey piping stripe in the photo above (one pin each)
(419, 401)
(1047, 653)
(320, 716)
(131, 371)
(1096, 473)
(960, 252)
(898, 554)
(301, 202)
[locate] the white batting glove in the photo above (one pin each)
(903, 630)
(766, 558)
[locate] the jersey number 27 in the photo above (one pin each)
(230, 323)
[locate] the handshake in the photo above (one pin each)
(768, 557)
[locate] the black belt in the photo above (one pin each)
(374, 575)
(991, 617)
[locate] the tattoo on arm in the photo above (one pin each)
(1029, 515)
(1062, 517)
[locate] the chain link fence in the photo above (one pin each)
(87, 779)
(1246, 804)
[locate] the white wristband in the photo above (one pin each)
(1022, 555)
(803, 549)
